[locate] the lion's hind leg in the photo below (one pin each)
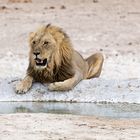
(95, 63)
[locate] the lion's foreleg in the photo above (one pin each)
(24, 85)
(65, 85)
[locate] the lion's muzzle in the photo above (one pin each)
(40, 62)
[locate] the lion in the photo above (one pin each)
(54, 62)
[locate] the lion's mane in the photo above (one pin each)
(61, 61)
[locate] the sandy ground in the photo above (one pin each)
(97, 90)
(107, 26)
(66, 127)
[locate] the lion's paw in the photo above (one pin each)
(54, 86)
(22, 88)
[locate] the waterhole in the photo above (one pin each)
(119, 110)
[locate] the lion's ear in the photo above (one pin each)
(59, 37)
(31, 36)
(48, 25)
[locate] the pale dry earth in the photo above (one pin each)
(66, 127)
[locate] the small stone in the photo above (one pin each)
(122, 17)
(52, 7)
(95, 1)
(63, 7)
(3, 7)
(119, 86)
(16, 8)
(130, 43)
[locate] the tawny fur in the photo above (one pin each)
(60, 67)
(66, 67)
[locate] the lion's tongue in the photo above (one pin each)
(38, 60)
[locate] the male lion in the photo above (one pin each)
(53, 60)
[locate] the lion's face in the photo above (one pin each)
(50, 57)
(42, 48)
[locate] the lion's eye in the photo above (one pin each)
(45, 43)
(34, 42)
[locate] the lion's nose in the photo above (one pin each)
(36, 53)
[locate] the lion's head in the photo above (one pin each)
(50, 48)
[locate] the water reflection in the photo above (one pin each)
(105, 110)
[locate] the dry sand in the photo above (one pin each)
(66, 127)
(108, 26)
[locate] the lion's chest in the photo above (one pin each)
(49, 77)
(43, 77)
(64, 72)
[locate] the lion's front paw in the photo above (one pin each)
(22, 87)
(58, 86)
(54, 86)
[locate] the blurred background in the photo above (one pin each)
(111, 27)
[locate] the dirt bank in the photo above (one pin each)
(66, 127)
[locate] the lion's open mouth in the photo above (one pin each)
(40, 62)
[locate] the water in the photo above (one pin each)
(101, 110)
